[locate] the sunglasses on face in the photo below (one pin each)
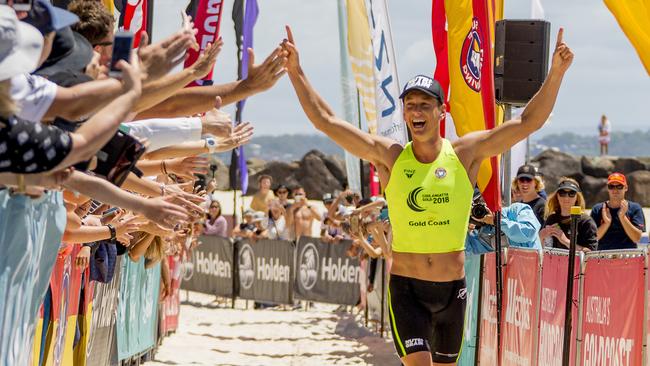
(565, 193)
(618, 187)
(525, 179)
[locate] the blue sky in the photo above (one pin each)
(606, 76)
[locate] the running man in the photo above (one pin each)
(429, 186)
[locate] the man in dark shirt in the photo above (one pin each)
(620, 222)
(529, 188)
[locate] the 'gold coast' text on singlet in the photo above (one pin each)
(429, 204)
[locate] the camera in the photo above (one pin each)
(479, 210)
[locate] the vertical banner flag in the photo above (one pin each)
(349, 96)
(207, 20)
(633, 17)
(387, 89)
(464, 31)
(488, 333)
(362, 59)
(244, 24)
(133, 18)
(470, 338)
(536, 9)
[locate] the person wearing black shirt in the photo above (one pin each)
(620, 222)
(556, 232)
(529, 188)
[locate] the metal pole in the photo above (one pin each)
(235, 273)
(477, 336)
(506, 160)
(499, 278)
(383, 296)
(576, 211)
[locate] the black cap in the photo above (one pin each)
(527, 171)
(568, 185)
(48, 18)
(424, 84)
(70, 52)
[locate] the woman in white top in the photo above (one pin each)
(276, 227)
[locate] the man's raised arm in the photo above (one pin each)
(493, 142)
(364, 145)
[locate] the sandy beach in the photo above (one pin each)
(211, 333)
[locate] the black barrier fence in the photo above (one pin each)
(275, 270)
(211, 270)
(324, 273)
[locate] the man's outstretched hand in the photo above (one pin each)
(562, 56)
(289, 47)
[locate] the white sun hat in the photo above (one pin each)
(20, 45)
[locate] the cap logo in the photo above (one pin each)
(419, 81)
(471, 57)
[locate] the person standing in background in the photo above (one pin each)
(604, 130)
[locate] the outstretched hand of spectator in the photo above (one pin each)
(216, 122)
(289, 46)
(263, 77)
(562, 56)
(207, 59)
(164, 211)
(240, 135)
(160, 58)
(187, 167)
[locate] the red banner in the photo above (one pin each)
(520, 293)
(488, 336)
(612, 322)
(551, 315)
(208, 22)
(171, 306)
(134, 19)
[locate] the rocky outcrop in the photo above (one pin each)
(319, 174)
(316, 172)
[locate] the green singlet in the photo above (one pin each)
(429, 204)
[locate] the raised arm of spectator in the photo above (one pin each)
(190, 101)
(163, 211)
(185, 167)
(162, 88)
(240, 135)
(373, 252)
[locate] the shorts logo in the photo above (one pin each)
(462, 293)
(414, 342)
(409, 173)
(308, 271)
(412, 200)
(441, 173)
(246, 266)
(471, 57)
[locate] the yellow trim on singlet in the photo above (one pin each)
(429, 204)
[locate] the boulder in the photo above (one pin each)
(598, 166)
(336, 166)
(594, 190)
(281, 172)
(315, 176)
(628, 165)
(553, 165)
(639, 187)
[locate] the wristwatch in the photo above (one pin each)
(113, 231)
(211, 144)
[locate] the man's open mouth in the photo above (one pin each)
(418, 123)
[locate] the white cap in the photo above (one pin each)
(20, 45)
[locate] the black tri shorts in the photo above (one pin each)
(427, 316)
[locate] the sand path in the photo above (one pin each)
(212, 334)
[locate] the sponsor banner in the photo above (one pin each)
(324, 272)
(551, 313)
(265, 270)
(472, 278)
(488, 335)
(612, 320)
(137, 308)
(133, 18)
(520, 305)
(207, 20)
(102, 342)
(211, 269)
(171, 307)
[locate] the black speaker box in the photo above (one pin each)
(520, 59)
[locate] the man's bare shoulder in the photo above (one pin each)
(389, 151)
